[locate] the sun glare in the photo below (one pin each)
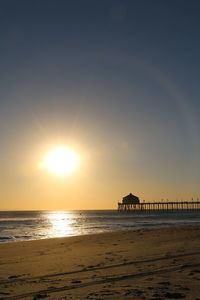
(60, 161)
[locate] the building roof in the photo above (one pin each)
(130, 196)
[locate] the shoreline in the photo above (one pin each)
(37, 226)
(113, 265)
(136, 228)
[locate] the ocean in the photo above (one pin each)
(34, 225)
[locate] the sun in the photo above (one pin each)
(60, 161)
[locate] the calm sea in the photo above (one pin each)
(34, 225)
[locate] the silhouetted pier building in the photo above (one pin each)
(132, 203)
(130, 199)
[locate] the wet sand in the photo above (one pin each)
(145, 264)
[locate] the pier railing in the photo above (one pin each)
(160, 206)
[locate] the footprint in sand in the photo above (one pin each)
(81, 266)
(40, 296)
(172, 295)
(164, 282)
(14, 276)
(76, 281)
(4, 293)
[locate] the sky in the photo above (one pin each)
(117, 82)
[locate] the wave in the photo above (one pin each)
(5, 238)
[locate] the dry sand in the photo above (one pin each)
(145, 264)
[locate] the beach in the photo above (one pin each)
(161, 263)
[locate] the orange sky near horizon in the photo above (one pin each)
(97, 183)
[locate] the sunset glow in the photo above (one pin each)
(60, 161)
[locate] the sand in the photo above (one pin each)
(145, 264)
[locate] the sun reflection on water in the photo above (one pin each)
(61, 224)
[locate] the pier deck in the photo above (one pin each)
(160, 206)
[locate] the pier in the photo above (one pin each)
(160, 206)
(131, 203)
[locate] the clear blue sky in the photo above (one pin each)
(117, 80)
